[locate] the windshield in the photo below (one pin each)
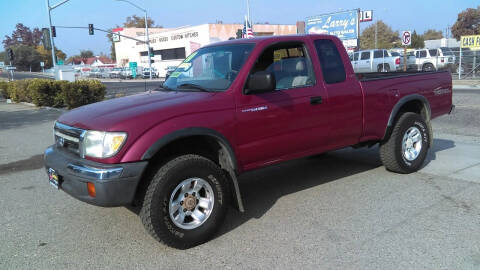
(211, 68)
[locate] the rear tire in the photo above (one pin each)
(171, 208)
(383, 68)
(406, 148)
(428, 67)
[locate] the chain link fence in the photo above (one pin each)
(467, 64)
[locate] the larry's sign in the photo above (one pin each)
(343, 24)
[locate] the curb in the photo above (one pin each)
(466, 87)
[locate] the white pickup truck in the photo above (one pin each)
(374, 61)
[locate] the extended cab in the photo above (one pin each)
(232, 107)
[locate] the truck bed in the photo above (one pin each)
(383, 90)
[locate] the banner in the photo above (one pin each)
(472, 42)
(343, 24)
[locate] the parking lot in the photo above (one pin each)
(341, 210)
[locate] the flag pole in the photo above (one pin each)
(248, 11)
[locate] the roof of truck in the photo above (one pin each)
(257, 40)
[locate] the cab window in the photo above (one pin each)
(289, 63)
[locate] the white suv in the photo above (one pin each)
(434, 59)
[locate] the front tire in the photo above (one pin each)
(186, 202)
(406, 148)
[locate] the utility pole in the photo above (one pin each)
(148, 46)
(146, 32)
(52, 43)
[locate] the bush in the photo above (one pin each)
(4, 89)
(44, 92)
(83, 92)
(18, 91)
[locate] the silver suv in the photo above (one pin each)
(434, 59)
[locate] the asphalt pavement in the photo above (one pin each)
(341, 210)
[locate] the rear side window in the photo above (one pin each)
(355, 56)
(380, 54)
(365, 56)
(433, 52)
(423, 54)
(330, 60)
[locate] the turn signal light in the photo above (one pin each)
(91, 189)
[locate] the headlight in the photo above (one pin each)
(100, 144)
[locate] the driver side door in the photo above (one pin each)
(286, 122)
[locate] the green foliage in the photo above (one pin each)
(50, 93)
(386, 37)
(83, 92)
(468, 23)
(42, 92)
(432, 34)
(3, 89)
(26, 57)
(18, 91)
(417, 40)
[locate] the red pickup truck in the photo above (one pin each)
(232, 107)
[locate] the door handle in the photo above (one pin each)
(315, 100)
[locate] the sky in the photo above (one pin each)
(418, 15)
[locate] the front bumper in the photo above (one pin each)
(115, 184)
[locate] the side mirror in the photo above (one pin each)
(260, 82)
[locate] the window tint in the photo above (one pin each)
(380, 54)
(289, 63)
(423, 54)
(433, 52)
(330, 61)
(355, 56)
(365, 56)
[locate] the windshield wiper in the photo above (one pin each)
(193, 86)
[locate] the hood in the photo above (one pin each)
(120, 114)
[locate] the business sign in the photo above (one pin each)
(406, 38)
(133, 68)
(11, 68)
(343, 24)
(366, 16)
(116, 36)
(472, 42)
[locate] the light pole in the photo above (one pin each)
(146, 31)
(52, 43)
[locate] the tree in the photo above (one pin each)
(23, 36)
(468, 23)
(417, 40)
(386, 37)
(86, 54)
(138, 22)
(46, 55)
(432, 34)
(26, 57)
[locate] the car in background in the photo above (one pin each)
(170, 70)
(411, 65)
(115, 72)
(379, 60)
(146, 73)
(434, 59)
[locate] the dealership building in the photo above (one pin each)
(171, 45)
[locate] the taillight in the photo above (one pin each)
(397, 61)
(443, 60)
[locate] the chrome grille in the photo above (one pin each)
(69, 138)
